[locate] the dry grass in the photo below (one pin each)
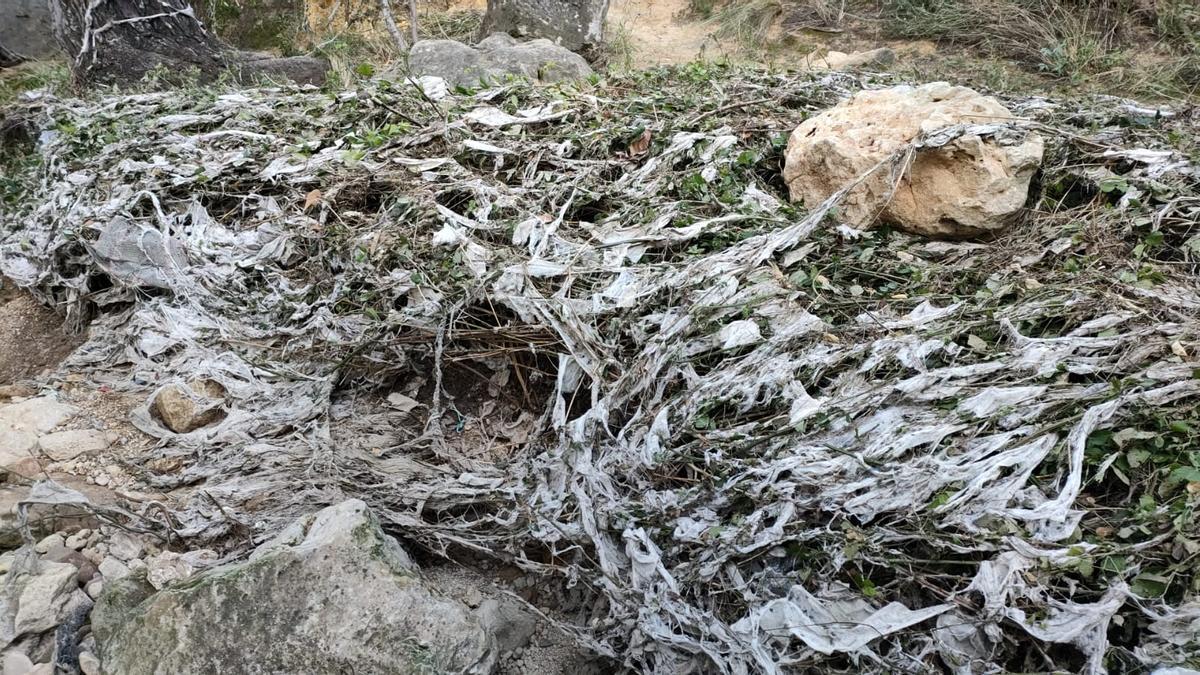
(1116, 43)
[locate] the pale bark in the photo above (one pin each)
(389, 20)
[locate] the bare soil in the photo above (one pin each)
(31, 336)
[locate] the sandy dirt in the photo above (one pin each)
(662, 33)
(31, 336)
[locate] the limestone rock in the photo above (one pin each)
(37, 415)
(575, 24)
(49, 542)
(124, 546)
(834, 60)
(970, 186)
(89, 664)
(184, 408)
(511, 624)
(112, 569)
(44, 596)
(17, 663)
(331, 593)
(297, 69)
(494, 59)
(62, 446)
(62, 554)
(17, 454)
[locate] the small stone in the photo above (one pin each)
(62, 446)
(92, 555)
(77, 540)
(44, 596)
(50, 542)
(113, 569)
(472, 597)
(102, 479)
(62, 554)
(89, 664)
(186, 408)
(43, 669)
(123, 546)
(94, 588)
(17, 663)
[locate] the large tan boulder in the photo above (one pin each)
(968, 187)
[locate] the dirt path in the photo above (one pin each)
(662, 33)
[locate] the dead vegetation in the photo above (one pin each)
(753, 441)
(1148, 48)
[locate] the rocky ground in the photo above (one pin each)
(59, 430)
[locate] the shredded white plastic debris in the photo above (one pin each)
(729, 433)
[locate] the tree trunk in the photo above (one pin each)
(121, 41)
(577, 25)
(8, 59)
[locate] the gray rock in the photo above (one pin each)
(79, 539)
(497, 41)
(575, 24)
(89, 664)
(62, 554)
(44, 596)
(112, 569)
(36, 415)
(17, 453)
(62, 446)
(297, 69)
(331, 593)
(458, 64)
(17, 663)
(124, 546)
(50, 542)
(27, 29)
(495, 59)
(511, 624)
(539, 60)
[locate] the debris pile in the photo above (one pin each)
(747, 436)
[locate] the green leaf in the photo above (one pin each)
(1085, 567)
(866, 586)
(1183, 474)
(1137, 457)
(1114, 563)
(1149, 585)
